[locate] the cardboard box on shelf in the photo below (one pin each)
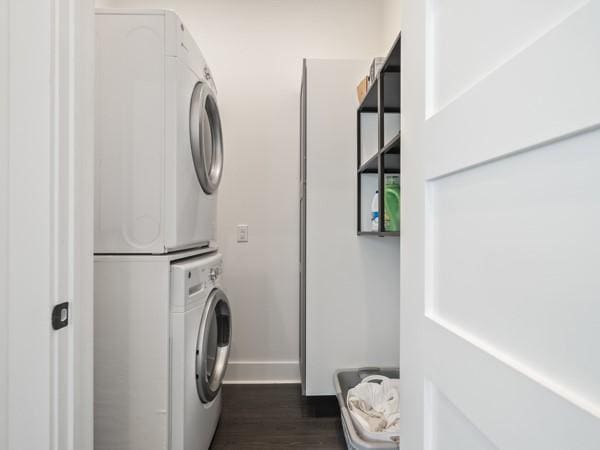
(376, 66)
(362, 88)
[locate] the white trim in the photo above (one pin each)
(263, 372)
(82, 314)
(46, 201)
(4, 263)
(30, 252)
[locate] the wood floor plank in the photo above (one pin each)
(277, 416)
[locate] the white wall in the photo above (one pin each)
(255, 50)
(390, 22)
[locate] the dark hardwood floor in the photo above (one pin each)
(277, 417)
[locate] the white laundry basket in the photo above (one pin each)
(345, 379)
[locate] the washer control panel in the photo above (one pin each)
(215, 272)
(194, 279)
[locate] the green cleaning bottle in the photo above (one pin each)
(392, 203)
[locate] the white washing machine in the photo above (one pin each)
(201, 336)
(159, 146)
(162, 333)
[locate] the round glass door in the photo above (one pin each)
(212, 351)
(206, 137)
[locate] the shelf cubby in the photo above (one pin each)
(378, 142)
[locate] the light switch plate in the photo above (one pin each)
(242, 233)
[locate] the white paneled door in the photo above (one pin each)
(46, 161)
(500, 292)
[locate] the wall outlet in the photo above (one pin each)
(242, 233)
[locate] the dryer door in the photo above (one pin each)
(214, 341)
(206, 137)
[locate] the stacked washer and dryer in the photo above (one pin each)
(162, 321)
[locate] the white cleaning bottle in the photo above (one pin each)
(375, 212)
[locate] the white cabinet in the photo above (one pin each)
(349, 285)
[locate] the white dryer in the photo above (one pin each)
(159, 146)
(201, 336)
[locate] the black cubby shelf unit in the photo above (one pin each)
(379, 109)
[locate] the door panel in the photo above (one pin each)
(535, 96)
(501, 139)
(450, 428)
(510, 282)
(508, 406)
(459, 62)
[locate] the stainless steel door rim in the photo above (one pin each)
(210, 372)
(206, 137)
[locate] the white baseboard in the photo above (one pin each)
(262, 372)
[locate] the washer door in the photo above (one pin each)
(212, 351)
(206, 137)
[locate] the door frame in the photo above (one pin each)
(46, 223)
